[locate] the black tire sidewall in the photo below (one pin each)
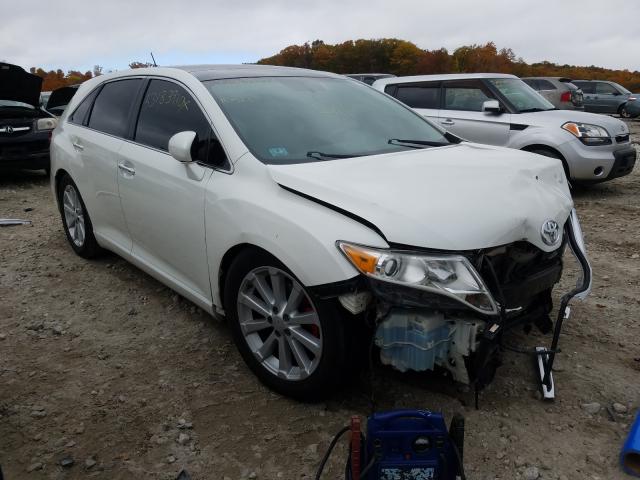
(90, 247)
(328, 374)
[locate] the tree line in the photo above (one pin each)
(391, 55)
(400, 57)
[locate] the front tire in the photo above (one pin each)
(75, 219)
(293, 342)
(622, 111)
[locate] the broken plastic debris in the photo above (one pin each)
(10, 222)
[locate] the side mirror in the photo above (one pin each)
(180, 146)
(491, 106)
(616, 93)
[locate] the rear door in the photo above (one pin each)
(462, 113)
(97, 129)
(423, 97)
(589, 95)
(163, 199)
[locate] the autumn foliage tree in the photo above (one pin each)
(391, 55)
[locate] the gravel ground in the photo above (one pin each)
(106, 373)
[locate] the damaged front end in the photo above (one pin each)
(436, 309)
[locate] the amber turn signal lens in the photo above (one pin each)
(364, 260)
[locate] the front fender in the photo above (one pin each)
(299, 232)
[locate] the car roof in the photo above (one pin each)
(560, 79)
(213, 72)
(448, 76)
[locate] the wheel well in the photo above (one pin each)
(533, 148)
(228, 258)
(622, 105)
(59, 174)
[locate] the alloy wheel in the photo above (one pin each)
(74, 215)
(279, 323)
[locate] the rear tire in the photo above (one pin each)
(75, 219)
(294, 343)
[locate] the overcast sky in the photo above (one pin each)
(79, 34)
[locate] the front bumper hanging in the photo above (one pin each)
(546, 356)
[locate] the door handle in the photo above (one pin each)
(124, 168)
(78, 146)
(448, 121)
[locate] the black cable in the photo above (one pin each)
(368, 467)
(330, 449)
(459, 458)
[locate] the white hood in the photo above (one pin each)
(462, 197)
(560, 117)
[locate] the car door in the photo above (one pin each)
(607, 97)
(462, 113)
(423, 97)
(96, 130)
(162, 198)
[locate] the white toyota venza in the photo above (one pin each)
(319, 216)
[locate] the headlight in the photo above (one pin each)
(46, 124)
(587, 133)
(450, 275)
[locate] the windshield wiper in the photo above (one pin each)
(324, 156)
(416, 143)
(535, 109)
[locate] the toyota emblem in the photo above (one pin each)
(550, 232)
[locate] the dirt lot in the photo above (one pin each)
(102, 366)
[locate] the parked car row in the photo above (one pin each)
(319, 215)
(500, 109)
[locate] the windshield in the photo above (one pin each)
(13, 104)
(520, 95)
(286, 120)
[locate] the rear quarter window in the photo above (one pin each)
(419, 96)
(81, 113)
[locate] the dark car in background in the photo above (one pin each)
(602, 96)
(369, 78)
(633, 106)
(25, 127)
(560, 91)
(59, 99)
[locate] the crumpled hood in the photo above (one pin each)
(560, 117)
(460, 197)
(18, 85)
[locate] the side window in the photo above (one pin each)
(110, 113)
(79, 116)
(587, 87)
(605, 89)
(546, 85)
(167, 108)
(532, 83)
(425, 95)
(466, 95)
(390, 90)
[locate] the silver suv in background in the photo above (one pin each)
(500, 109)
(558, 90)
(604, 97)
